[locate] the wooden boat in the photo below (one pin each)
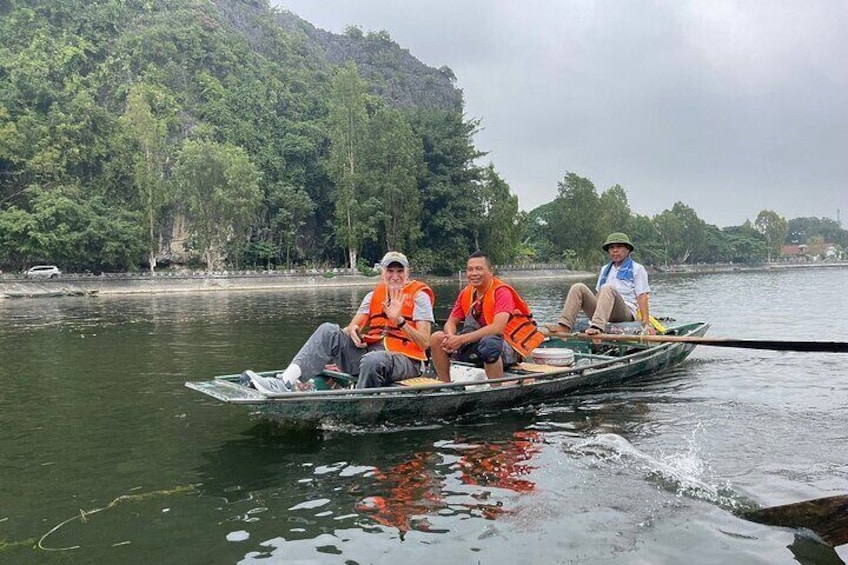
(596, 365)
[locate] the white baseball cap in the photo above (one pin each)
(394, 257)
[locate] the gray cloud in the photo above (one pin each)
(728, 106)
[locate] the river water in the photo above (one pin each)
(107, 458)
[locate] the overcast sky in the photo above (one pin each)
(731, 107)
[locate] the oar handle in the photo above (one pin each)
(776, 345)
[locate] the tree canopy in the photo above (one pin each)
(227, 133)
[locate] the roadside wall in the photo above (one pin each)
(84, 285)
(148, 284)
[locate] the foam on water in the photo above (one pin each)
(685, 473)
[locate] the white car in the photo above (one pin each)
(47, 271)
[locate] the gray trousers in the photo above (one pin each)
(607, 306)
(373, 365)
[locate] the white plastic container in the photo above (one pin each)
(466, 374)
(554, 356)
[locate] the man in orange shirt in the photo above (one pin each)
(497, 326)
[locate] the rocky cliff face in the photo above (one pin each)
(391, 71)
(394, 73)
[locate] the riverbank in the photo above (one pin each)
(730, 267)
(145, 283)
(125, 284)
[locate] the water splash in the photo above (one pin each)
(685, 473)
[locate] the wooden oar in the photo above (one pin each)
(826, 517)
(813, 346)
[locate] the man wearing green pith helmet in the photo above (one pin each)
(622, 292)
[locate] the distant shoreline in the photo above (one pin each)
(729, 267)
(126, 284)
(168, 283)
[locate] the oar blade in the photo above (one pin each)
(775, 345)
(826, 517)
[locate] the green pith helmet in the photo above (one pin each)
(618, 237)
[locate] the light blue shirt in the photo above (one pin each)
(628, 290)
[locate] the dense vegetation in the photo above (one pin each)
(226, 134)
(571, 226)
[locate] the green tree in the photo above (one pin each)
(650, 247)
(16, 230)
(393, 161)
(292, 206)
(348, 123)
(353, 32)
(147, 134)
(574, 223)
(614, 210)
(219, 188)
(499, 234)
(801, 229)
(774, 228)
(681, 231)
(71, 229)
(717, 248)
(11, 153)
(449, 189)
(536, 237)
(747, 245)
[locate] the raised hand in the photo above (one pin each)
(394, 305)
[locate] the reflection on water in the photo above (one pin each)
(396, 480)
(407, 492)
(501, 465)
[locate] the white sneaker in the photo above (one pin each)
(244, 378)
(268, 385)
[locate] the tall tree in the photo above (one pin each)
(536, 235)
(147, 133)
(11, 158)
(716, 245)
(747, 245)
(682, 231)
(774, 227)
(348, 123)
(219, 188)
(72, 229)
(574, 223)
(499, 237)
(449, 190)
(393, 162)
(615, 210)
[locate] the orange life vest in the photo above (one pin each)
(382, 329)
(521, 331)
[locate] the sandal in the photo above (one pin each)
(593, 330)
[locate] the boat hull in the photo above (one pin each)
(426, 403)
